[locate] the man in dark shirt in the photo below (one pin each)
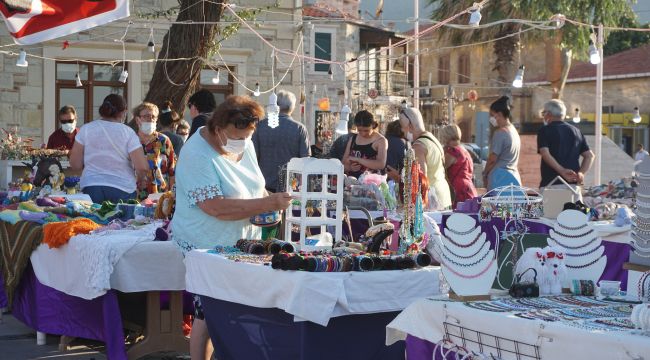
(276, 146)
(201, 105)
(561, 145)
(63, 137)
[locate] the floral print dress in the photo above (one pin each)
(160, 156)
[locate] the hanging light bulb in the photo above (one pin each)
(342, 126)
(636, 118)
(22, 59)
(576, 116)
(330, 73)
(215, 78)
(257, 92)
(475, 17)
(518, 82)
(123, 76)
(404, 105)
(273, 111)
(594, 55)
(79, 84)
(151, 46)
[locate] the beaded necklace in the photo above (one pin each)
(573, 236)
(641, 288)
(469, 276)
(574, 247)
(460, 233)
(464, 257)
(573, 228)
(465, 265)
(585, 253)
(583, 266)
(488, 306)
(464, 245)
(638, 238)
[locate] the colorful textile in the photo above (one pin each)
(10, 216)
(162, 162)
(460, 174)
(58, 234)
(16, 245)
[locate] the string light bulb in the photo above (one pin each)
(518, 82)
(475, 16)
(78, 78)
(257, 92)
(273, 111)
(594, 55)
(330, 73)
(216, 77)
(342, 126)
(123, 76)
(576, 116)
(636, 118)
(150, 44)
(22, 59)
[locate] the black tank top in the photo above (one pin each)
(361, 151)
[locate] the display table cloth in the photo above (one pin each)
(42, 300)
(254, 312)
(599, 330)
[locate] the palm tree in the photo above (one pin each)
(568, 42)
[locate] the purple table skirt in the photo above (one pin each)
(617, 253)
(418, 349)
(3, 296)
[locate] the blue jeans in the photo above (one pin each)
(99, 194)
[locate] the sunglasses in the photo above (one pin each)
(66, 121)
(244, 120)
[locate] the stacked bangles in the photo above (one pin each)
(259, 247)
(328, 263)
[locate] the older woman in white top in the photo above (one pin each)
(109, 154)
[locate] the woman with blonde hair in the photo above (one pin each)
(429, 154)
(458, 165)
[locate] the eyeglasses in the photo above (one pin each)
(244, 121)
(148, 117)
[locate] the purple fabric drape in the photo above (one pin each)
(3, 296)
(53, 312)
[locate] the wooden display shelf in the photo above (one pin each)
(636, 267)
(468, 298)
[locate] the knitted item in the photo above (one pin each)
(59, 233)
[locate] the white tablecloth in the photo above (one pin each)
(424, 319)
(149, 265)
(314, 297)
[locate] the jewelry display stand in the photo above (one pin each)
(512, 204)
(318, 182)
(582, 245)
(640, 252)
(467, 261)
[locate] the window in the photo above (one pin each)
(463, 69)
(222, 88)
(443, 70)
(98, 81)
(323, 48)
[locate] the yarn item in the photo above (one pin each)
(58, 234)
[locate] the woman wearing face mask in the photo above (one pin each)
(109, 154)
(429, 154)
(218, 188)
(183, 130)
(501, 167)
(158, 150)
(63, 138)
(366, 150)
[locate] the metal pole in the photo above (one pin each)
(450, 104)
(599, 109)
(416, 58)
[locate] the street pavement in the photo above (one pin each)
(18, 342)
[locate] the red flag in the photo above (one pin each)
(34, 21)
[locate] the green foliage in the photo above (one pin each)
(624, 40)
(576, 38)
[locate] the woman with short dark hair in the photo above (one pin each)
(501, 167)
(219, 186)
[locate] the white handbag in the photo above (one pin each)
(555, 196)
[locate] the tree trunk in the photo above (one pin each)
(507, 55)
(567, 56)
(554, 63)
(177, 80)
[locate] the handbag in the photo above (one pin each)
(521, 290)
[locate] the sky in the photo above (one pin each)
(401, 9)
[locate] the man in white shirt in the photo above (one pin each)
(641, 153)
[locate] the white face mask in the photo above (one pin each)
(147, 127)
(184, 137)
(68, 127)
(234, 146)
(493, 121)
(409, 136)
